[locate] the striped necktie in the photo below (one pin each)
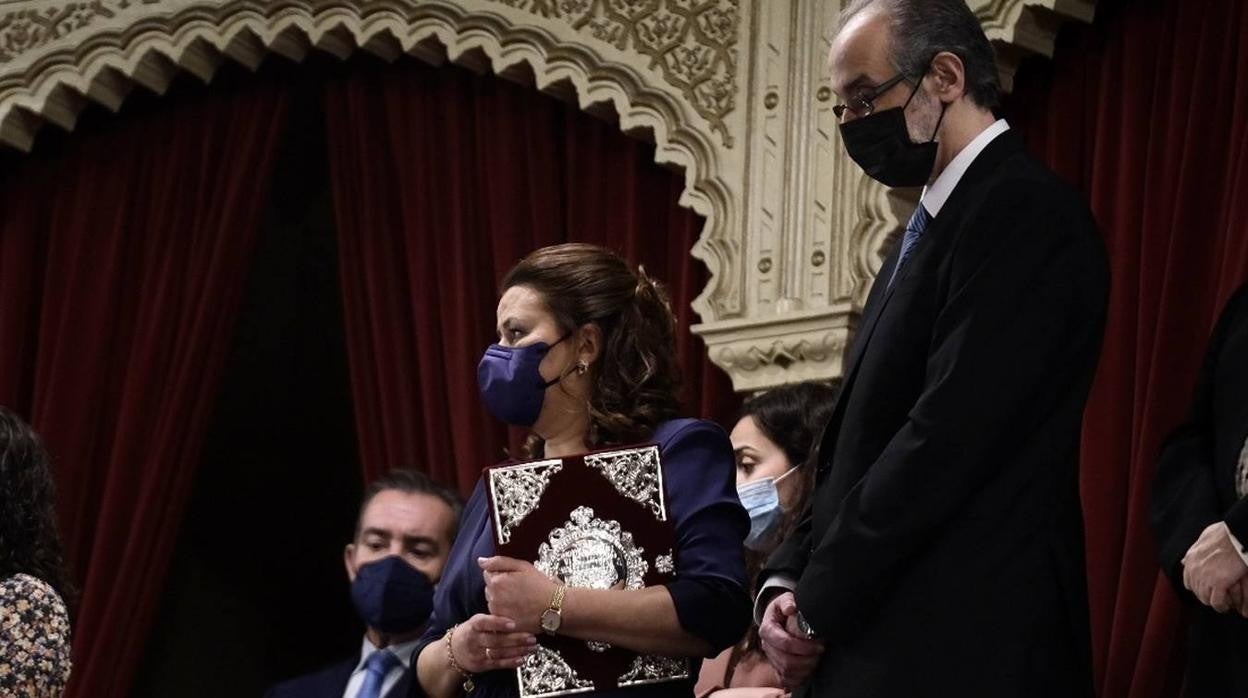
(376, 667)
(914, 230)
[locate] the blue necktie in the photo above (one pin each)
(914, 230)
(376, 667)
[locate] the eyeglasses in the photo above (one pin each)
(863, 103)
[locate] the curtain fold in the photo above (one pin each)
(123, 257)
(442, 180)
(1147, 113)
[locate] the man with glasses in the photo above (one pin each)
(943, 551)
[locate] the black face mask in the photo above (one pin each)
(880, 144)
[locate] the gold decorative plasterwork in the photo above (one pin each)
(1024, 27)
(734, 92)
(28, 29)
(61, 55)
(691, 42)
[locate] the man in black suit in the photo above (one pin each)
(404, 534)
(943, 552)
(1200, 511)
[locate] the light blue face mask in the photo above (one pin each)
(762, 500)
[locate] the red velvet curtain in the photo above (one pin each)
(1147, 112)
(122, 262)
(442, 180)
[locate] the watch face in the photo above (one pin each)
(550, 620)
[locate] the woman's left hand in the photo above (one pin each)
(515, 589)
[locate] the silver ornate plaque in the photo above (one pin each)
(650, 669)
(517, 492)
(578, 520)
(665, 563)
(591, 553)
(636, 473)
(545, 674)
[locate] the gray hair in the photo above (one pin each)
(923, 28)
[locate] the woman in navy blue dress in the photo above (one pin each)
(587, 359)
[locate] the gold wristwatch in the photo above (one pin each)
(552, 617)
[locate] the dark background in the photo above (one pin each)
(257, 591)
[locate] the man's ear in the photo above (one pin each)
(348, 561)
(947, 77)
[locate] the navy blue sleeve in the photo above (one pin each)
(460, 593)
(710, 589)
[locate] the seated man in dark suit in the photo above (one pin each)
(406, 527)
(1200, 511)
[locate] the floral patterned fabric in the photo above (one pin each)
(34, 639)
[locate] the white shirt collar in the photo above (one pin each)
(936, 194)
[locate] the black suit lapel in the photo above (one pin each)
(988, 161)
(871, 316)
(871, 312)
(403, 688)
(342, 676)
(1001, 148)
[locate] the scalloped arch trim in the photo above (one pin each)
(107, 62)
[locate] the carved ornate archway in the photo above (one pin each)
(732, 91)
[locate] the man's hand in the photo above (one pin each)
(1212, 567)
(792, 654)
(1239, 597)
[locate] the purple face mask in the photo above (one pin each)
(511, 384)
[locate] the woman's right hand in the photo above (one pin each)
(488, 643)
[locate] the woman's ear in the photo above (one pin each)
(589, 344)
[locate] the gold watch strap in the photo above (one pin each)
(556, 602)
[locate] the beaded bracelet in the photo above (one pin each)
(450, 660)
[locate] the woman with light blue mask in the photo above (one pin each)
(773, 439)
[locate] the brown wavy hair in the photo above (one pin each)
(29, 542)
(636, 379)
(792, 417)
